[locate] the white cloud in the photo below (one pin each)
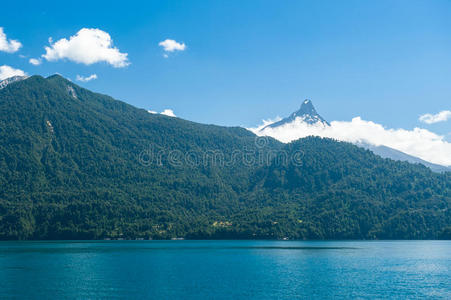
(266, 123)
(417, 142)
(35, 61)
(88, 46)
(7, 71)
(6, 45)
(86, 78)
(442, 116)
(171, 45)
(166, 112)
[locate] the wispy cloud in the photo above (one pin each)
(265, 123)
(417, 142)
(171, 46)
(86, 78)
(442, 116)
(6, 45)
(7, 71)
(167, 112)
(88, 46)
(35, 61)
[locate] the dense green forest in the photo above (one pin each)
(80, 165)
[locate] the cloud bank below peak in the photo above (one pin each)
(417, 142)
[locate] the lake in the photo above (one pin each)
(225, 269)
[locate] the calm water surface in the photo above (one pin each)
(225, 269)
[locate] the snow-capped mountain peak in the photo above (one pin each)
(369, 135)
(306, 114)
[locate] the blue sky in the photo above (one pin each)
(385, 61)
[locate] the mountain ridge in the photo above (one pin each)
(75, 164)
(9, 80)
(387, 152)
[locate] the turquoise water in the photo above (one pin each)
(225, 269)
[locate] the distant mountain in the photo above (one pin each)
(80, 165)
(5, 82)
(387, 152)
(307, 113)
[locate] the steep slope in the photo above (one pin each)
(65, 151)
(79, 165)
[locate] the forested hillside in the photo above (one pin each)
(80, 165)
